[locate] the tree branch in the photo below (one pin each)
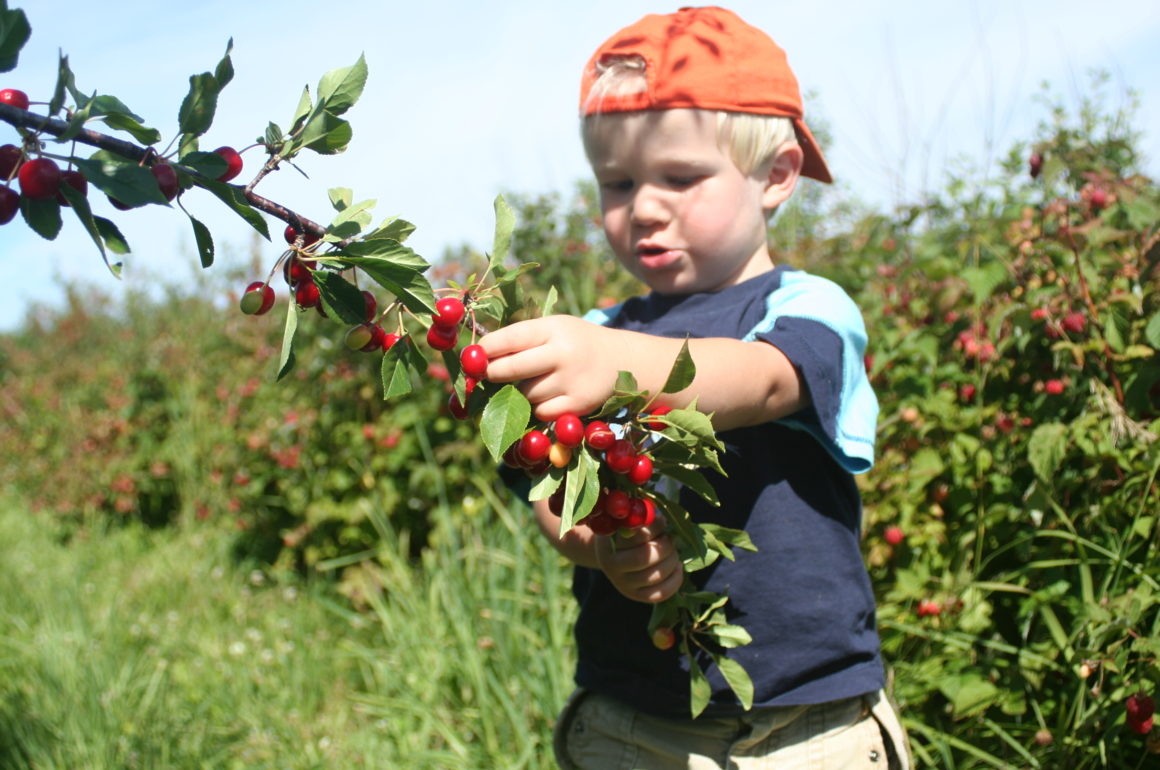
(43, 124)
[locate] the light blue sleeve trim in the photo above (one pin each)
(814, 298)
(602, 315)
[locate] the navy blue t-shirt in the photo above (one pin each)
(804, 595)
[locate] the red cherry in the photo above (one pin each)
(372, 304)
(641, 470)
(296, 270)
(442, 337)
(621, 456)
(511, 456)
(1035, 164)
(377, 340)
(458, 410)
(306, 294)
(658, 411)
(556, 501)
(473, 358)
(617, 504)
(1098, 199)
(601, 523)
(449, 311)
(39, 178)
(291, 235)
(233, 163)
(1140, 706)
(14, 98)
(893, 535)
(389, 340)
(641, 513)
(534, 446)
(569, 430)
(9, 204)
(74, 179)
(10, 159)
(166, 179)
(598, 435)
(258, 298)
(118, 205)
(967, 392)
(1074, 322)
(1053, 387)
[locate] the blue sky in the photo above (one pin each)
(467, 100)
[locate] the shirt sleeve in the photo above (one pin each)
(820, 329)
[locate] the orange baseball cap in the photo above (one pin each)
(705, 58)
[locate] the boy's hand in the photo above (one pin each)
(566, 364)
(644, 567)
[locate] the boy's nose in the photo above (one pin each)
(648, 206)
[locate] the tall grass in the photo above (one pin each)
(137, 648)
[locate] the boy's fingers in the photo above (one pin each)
(513, 338)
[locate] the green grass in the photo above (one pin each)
(132, 648)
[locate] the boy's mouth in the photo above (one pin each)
(655, 257)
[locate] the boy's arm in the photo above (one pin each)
(644, 567)
(570, 365)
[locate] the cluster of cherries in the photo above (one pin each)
(1140, 708)
(618, 505)
(443, 334)
(40, 177)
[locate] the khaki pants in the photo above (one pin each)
(596, 732)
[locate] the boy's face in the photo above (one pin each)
(678, 213)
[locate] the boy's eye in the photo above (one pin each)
(617, 185)
(683, 181)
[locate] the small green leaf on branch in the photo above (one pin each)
(286, 359)
(204, 240)
(14, 33)
(504, 421)
(683, 371)
(738, 679)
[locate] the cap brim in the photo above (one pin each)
(814, 163)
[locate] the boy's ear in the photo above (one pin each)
(784, 170)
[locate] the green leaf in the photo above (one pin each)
(208, 164)
(200, 103)
(394, 267)
(286, 358)
(325, 134)
(983, 281)
(1046, 449)
(968, 693)
(738, 538)
(728, 635)
(505, 224)
(683, 371)
(14, 33)
(546, 484)
(114, 241)
(583, 489)
(1152, 330)
(273, 137)
(396, 374)
(394, 229)
(204, 240)
(351, 220)
(504, 421)
(235, 199)
(224, 72)
(1116, 327)
(340, 298)
(65, 83)
(681, 525)
(691, 478)
(80, 206)
(339, 89)
(699, 690)
(126, 181)
(738, 679)
(122, 122)
(340, 197)
(302, 111)
(43, 216)
(549, 302)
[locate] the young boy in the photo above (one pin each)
(693, 126)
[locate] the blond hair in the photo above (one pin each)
(752, 140)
